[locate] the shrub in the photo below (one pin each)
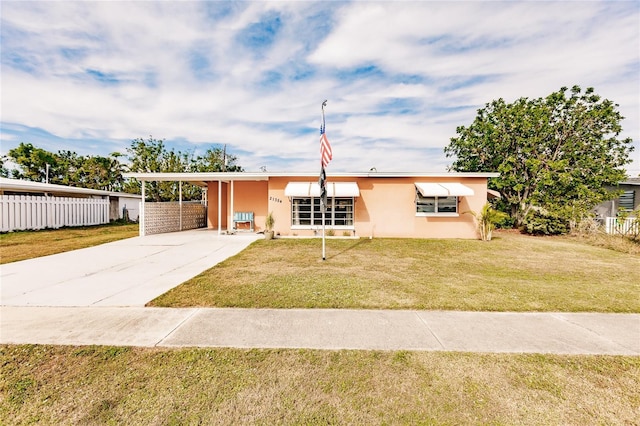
(543, 223)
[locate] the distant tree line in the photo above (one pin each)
(106, 172)
(558, 156)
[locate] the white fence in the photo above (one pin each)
(628, 226)
(20, 212)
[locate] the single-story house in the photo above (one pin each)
(372, 204)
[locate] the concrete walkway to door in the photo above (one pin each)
(128, 272)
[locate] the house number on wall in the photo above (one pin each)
(277, 200)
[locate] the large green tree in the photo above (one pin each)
(152, 156)
(33, 162)
(67, 168)
(559, 153)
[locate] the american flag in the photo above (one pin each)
(325, 148)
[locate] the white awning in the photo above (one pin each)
(448, 189)
(297, 189)
(312, 189)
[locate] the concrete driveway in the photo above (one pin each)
(128, 272)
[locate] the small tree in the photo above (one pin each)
(487, 220)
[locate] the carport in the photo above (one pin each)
(218, 187)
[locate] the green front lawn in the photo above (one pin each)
(513, 272)
(22, 245)
(144, 386)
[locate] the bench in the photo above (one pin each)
(243, 217)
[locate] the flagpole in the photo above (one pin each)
(322, 201)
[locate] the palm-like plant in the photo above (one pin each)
(487, 220)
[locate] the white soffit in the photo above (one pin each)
(312, 189)
(448, 189)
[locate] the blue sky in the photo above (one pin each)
(399, 77)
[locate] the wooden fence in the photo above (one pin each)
(21, 212)
(629, 226)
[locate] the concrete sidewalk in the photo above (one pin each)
(128, 272)
(507, 332)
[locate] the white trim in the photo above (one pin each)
(202, 178)
(437, 214)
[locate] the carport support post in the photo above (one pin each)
(141, 214)
(180, 201)
(219, 207)
(230, 220)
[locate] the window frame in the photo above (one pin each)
(436, 200)
(627, 200)
(336, 212)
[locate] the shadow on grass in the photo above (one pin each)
(351, 247)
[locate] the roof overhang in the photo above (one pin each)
(17, 185)
(201, 178)
(493, 194)
(312, 189)
(443, 189)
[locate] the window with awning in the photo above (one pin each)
(439, 198)
(305, 204)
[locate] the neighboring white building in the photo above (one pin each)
(628, 201)
(35, 201)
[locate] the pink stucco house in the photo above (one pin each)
(378, 204)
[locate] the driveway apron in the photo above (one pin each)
(128, 272)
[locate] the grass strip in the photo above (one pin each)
(23, 245)
(513, 272)
(117, 385)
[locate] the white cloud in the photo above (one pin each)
(399, 76)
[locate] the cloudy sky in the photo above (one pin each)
(399, 77)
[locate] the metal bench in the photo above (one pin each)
(243, 217)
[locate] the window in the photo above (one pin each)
(436, 205)
(305, 212)
(627, 200)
